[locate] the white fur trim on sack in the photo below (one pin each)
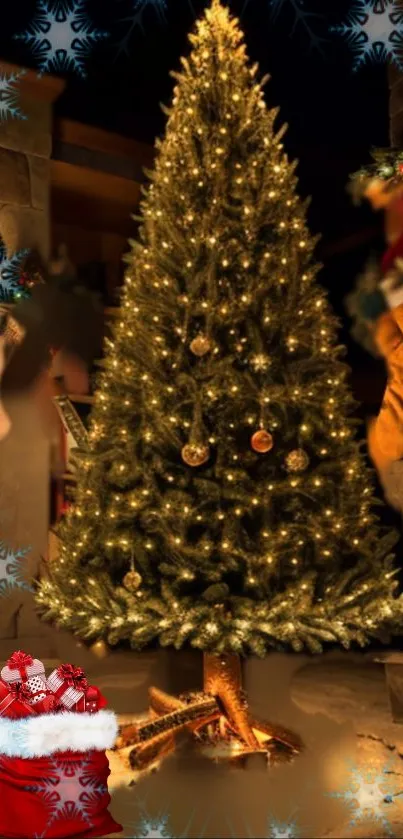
(42, 735)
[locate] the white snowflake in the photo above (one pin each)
(368, 795)
(153, 828)
(282, 830)
(302, 18)
(9, 108)
(61, 36)
(374, 32)
(10, 273)
(70, 791)
(11, 571)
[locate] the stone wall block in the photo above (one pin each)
(32, 135)
(39, 169)
(23, 227)
(14, 178)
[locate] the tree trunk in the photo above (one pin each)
(223, 679)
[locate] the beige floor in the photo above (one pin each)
(345, 688)
(349, 690)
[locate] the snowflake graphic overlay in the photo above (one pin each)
(70, 791)
(276, 829)
(10, 272)
(9, 108)
(158, 827)
(302, 18)
(282, 830)
(136, 19)
(11, 571)
(150, 828)
(61, 36)
(374, 32)
(369, 794)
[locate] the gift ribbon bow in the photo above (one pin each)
(20, 691)
(20, 661)
(72, 676)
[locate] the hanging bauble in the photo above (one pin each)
(100, 649)
(195, 454)
(200, 345)
(132, 580)
(262, 441)
(297, 460)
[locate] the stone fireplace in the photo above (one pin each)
(25, 152)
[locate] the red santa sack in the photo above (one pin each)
(54, 775)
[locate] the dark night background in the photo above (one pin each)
(335, 115)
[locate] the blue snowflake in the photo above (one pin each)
(11, 571)
(302, 19)
(9, 108)
(10, 273)
(374, 32)
(136, 19)
(70, 791)
(61, 37)
(159, 6)
(368, 794)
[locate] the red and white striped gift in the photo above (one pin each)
(20, 667)
(68, 684)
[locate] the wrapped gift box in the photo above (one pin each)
(20, 667)
(14, 703)
(68, 684)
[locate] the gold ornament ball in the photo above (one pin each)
(297, 460)
(200, 345)
(195, 454)
(132, 580)
(262, 441)
(100, 649)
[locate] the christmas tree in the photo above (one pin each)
(223, 502)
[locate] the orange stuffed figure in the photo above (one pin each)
(385, 433)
